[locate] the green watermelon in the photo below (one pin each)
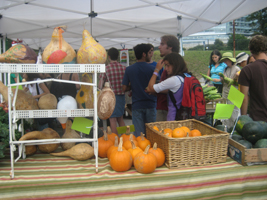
(262, 143)
(220, 127)
(245, 143)
(264, 125)
(242, 120)
(253, 131)
(236, 137)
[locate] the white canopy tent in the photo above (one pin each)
(116, 23)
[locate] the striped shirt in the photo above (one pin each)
(114, 74)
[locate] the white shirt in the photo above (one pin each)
(32, 88)
(173, 84)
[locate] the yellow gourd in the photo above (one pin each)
(58, 51)
(85, 96)
(91, 52)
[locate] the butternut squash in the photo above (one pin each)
(82, 151)
(69, 133)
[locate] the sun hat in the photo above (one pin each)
(241, 57)
(229, 56)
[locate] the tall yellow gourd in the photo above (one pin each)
(91, 52)
(58, 51)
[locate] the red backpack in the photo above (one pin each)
(193, 101)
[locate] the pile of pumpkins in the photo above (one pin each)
(130, 151)
(179, 132)
(249, 133)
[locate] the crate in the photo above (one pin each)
(246, 156)
(190, 151)
(211, 105)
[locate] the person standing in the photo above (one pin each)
(151, 62)
(114, 75)
(168, 44)
(253, 80)
(214, 68)
(136, 78)
(241, 59)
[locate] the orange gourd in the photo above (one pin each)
(134, 150)
(103, 145)
(178, 133)
(186, 129)
(194, 133)
(168, 135)
(167, 131)
(156, 128)
(160, 156)
(126, 136)
(120, 160)
(111, 136)
(145, 162)
(143, 142)
(113, 147)
(128, 144)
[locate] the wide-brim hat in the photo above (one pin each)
(241, 57)
(228, 55)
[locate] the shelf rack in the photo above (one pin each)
(15, 115)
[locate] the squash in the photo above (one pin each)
(82, 151)
(106, 102)
(262, 143)
(103, 145)
(91, 52)
(134, 150)
(126, 136)
(242, 120)
(85, 95)
(19, 53)
(178, 133)
(145, 162)
(111, 136)
(69, 133)
(24, 101)
(120, 160)
(58, 51)
(160, 156)
(128, 144)
(111, 148)
(253, 131)
(245, 143)
(47, 101)
(47, 133)
(143, 142)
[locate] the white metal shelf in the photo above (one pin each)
(14, 115)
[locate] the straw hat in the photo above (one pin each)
(241, 57)
(229, 56)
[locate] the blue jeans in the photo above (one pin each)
(142, 116)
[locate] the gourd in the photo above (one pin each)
(128, 144)
(111, 136)
(58, 51)
(48, 101)
(242, 120)
(85, 96)
(47, 133)
(19, 53)
(106, 102)
(69, 133)
(24, 100)
(114, 147)
(126, 136)
(262, 143)
(253, 131)
(103, 145)
(160, 156)
(120, 159)
(82, 151)
(91, 52)
(143, 142)
(134, 150)
(145, 162)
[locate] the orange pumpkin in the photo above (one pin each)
(178, 133)
(194, 133)
(160, 156)
(126, 136)
(145, 162)
(128, 144)
(115, 146)
(143, 142)
(168, 135)
(156, 128)
(111, 136)
(186, 129)
(134, 150)
(167, 130)
(103, 145)
(120, 159)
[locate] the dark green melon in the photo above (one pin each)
(236, 137)
(262, 143)
(220, 127)
(264, 125)
(253, 131)
(242, 120)
(245, 143)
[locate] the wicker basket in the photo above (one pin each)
(190, 151)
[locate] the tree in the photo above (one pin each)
(241, 42)
(218, 44)
(259, 21)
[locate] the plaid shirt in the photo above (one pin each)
(114, 72)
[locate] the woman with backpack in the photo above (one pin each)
(214, 68)
(175, 67)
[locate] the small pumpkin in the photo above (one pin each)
(143, 142)
(126, 136)
(145, 162)
(113, 147)
(120, 159)
(195, 133)
(128, 144)
(134, 150)
(103, 145)
(160, 156)
(178, 133)
(111, 136)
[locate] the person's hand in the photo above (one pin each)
(159, 65)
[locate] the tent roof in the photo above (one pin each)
(119, 23)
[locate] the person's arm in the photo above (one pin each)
(44, 88)
(154, 76)
(244, 107)
(126, 88)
